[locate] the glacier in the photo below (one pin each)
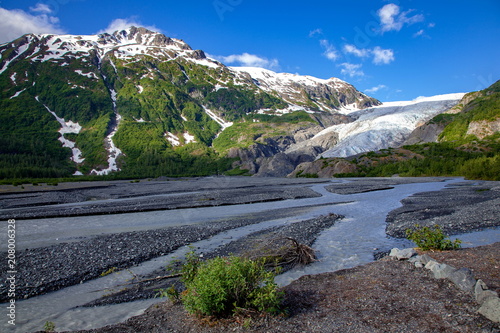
(384, 126)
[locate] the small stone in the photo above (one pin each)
(419, 264)
(425, 258)
(430, 264)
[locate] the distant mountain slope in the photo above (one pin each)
(135, 101)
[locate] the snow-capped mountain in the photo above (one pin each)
(308, 90)
(125, 44)
(135, 95)
(384, 126)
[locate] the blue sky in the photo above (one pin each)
(391, 50)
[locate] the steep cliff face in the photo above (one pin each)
(483, 128)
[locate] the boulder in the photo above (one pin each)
(442, 271)
(402, 254)
(463, 279)
(430, 264)
(491, 309)
(425, 258)
(482, 293)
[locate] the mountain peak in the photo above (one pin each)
(141, 36)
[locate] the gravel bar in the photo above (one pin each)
(458, 208)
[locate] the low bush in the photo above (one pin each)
(222, 286)
(431, 238)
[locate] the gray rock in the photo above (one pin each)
(425, 259)
(482, 293)
(425, 133)
(416, 261)
(442, 271)
(402, 254)
(430, 264)
(419, 264)
(463, 278)
(491, 309)
(279, 165)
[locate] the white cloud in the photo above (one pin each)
(15, 23)
(42, 8)
(419, 33)
(392, 19)
(123, 24)
(375, 89)
(331, 52)
(248, 60)
(351, 49)
(387, 15)
(382, 56)
(351, 69)
(315, 32)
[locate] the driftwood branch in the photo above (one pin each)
(142, 281)
(286, 255)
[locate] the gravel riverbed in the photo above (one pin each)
(459, 207)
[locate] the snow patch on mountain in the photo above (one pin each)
(90, 75)
(67, 127)
(17, 94)
(113, 151)
(224, 124)
(188, 137)
(21, 49)
(175, 141)
(388, 125)
(268, 79)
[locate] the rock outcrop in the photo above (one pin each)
(483, 128)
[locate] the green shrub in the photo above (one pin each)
(431, 238)
(221, 286)
(49, 327)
